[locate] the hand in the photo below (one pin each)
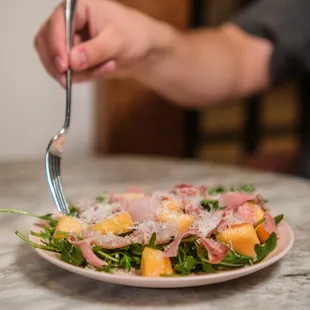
(110, 40)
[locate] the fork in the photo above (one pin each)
(55, 147)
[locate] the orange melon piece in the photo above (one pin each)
(170, 204)
(154, 264)
(67, 224)
(261, 232)
(182, 220)
(117, 224)
(241, 238)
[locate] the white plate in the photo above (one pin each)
(285, 243)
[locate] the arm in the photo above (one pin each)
(267, 41)
(200, 67)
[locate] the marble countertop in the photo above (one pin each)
(27, 281)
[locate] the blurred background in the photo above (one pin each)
(123, 117)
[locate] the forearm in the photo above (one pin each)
(201, 67)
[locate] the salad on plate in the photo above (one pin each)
(186, 230)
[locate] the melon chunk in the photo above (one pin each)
(67, 224)
(120, 223)
(241, 238)
(171, 204)
(182, 220)
(261, 232)
(154, 264)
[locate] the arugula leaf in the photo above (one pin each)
(125, 262)
(248, 188)
(46, 234)
(216, 190)
(263, 220)
(278, 219)
(262, 251)
(236, 260)
(210, 204)
(107, 268)
(49, 247)
(152, 242)
(187, 266)
(71, 254)
(73, 211)
(208, 268)
(102, 199)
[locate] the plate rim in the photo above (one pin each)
(169, 282)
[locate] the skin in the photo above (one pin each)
(193, 68)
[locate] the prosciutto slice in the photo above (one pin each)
(87, 252)
(245, 213)
(234, 200)
(216, 251)
(189, 190)
(142, 235)
(194, 210)
(269, 224)
(143, 209)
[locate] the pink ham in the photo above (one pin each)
(189, 190)
(245, 213)
(133, 189)
(87, 252)
(142, 234)
(223, 224)
(234, 200)
(143, 209)
(194, 210)
(216, 250)
(269, 224)
(140, 209)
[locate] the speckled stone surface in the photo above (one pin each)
(28, 282)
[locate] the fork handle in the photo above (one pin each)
(69, 15)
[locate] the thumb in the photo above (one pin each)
(101, 48)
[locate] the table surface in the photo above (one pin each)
(27, 281)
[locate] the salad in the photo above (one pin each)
(186, 230)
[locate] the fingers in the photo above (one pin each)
(107, 70)
(43, 52)
(50, 42)
(101, 49)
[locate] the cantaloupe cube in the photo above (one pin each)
(261, 232)
(171, 204)
(241, 238)
(120, 223)
(68, 225)
(182, 220)
(154, 264)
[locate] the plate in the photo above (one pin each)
(285, 243)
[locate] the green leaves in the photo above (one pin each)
(126, 258)
(46, 247)
(247, 188)
(216, 190)
(152, 243)
(263, 220)
(233, 260)
(278, 219)
(102, 199)
(69, 253)
(210, 205)
(262, 251)
(187, 266)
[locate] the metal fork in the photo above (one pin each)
(55, 147)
